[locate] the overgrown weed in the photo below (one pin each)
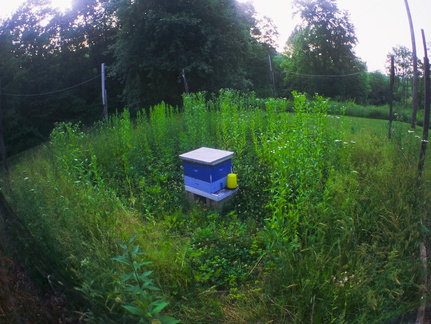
(325, 227)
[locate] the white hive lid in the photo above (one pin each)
(206, 155)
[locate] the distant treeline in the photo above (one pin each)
(155, 50)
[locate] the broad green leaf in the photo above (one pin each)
(168, 320)
(126, 277)
(135, 311)
(159, 306)
(122, 259)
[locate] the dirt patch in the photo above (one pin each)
(22, 301)
(27, 295)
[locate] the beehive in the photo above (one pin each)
(205, 172)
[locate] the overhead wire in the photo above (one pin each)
(324, 75)
(50, 92)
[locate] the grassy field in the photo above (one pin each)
(326, 226)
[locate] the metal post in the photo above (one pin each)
(271, 75)
(186, 85)
(104, 93)
(391, 96)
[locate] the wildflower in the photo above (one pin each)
(410, 131)
(337, 141)
(424, 141)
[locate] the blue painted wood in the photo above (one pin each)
(209, 187)
(208, 173)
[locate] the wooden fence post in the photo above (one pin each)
(391, 96)
(415, 69)
(427, 103)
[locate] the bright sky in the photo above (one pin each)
(379, 24)
(7, 7)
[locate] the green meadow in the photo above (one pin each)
(326, 226)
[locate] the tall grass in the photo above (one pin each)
(325, 227)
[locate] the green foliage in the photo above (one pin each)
(223, 253)
(197, 122)
(45, 51)
(379, 88)
(135, 290)
(324, 228)
(403, 67)
(200, 37)
(321, 48)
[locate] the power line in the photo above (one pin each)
(51, 92)
(325, 75)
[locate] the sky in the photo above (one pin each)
(8, 6)
(380, 25)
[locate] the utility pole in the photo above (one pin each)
(104, 93)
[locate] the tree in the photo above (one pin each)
(319, 53)
(404, 72)
(379, 88)
(265, 32)
(43, 50)
(209, 39)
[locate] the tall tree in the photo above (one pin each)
(404, 73)
(379, 85)
(320, 52)
(209, 39)
(44, 50)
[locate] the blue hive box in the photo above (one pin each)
(206, 169)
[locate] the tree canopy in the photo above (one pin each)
(145, 44)
(320, 52)
(50, 61)
(210, 40)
